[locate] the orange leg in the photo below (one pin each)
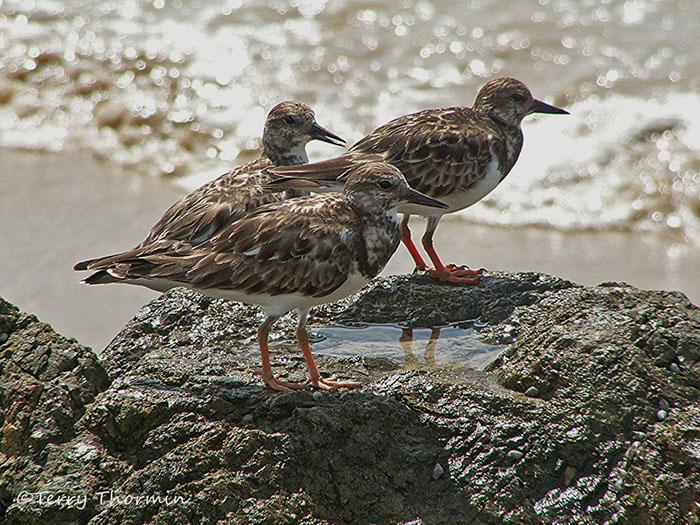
(450, 273)
(406, 238)
(272, 380)
(314, 376)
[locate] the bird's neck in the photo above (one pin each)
(512, 135)
(504, 122)
(381, 235)
(285, 156)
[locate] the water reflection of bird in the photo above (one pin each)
(406, 342)
(456, 154)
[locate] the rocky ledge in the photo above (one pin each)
(589, 414)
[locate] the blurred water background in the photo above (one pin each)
(180, 89)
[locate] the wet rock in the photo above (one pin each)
(533, 391)
(417, 300)
(515, 455)
(185, 416)
(663, 480)
(46, 381)
(46, 384)
(569, 475)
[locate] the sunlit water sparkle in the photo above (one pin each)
(182, 88)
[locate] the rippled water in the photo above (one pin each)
(182, 88)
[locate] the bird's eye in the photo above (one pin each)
(384, 184)
(289, 120)
(518, 97)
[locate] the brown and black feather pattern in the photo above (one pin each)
(218, 203)
(439, 151)
(442, 152)
(289, 126)
(305, 246)
(286, 248)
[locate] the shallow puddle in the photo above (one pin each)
(414, 347)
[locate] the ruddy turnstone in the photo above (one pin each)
(288, 128)
(292, 254)
(455, 154)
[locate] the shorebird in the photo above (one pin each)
(455, 154)
(287, 255)
(288, 128)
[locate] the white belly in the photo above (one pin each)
(462, 198)
(273, 305)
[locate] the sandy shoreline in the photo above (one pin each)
(61, 208)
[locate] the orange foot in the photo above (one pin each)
(283, 386)
(463, 271)
(452, 273)
(331, 383)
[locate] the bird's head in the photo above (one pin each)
(508, 101)
(288, 128)
(383, 187)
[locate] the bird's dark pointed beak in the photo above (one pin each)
(542, 107)
(321, 133)
(416, 197)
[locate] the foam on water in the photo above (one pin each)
(182, 88)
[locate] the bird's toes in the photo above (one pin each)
(331, 383)
(463, 270)
(283, 386)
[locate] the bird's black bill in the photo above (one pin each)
(542, 107)
(416, 197)
(321, 133)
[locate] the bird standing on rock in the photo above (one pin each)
(455, 154)
(291, 254)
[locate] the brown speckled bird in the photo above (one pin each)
(291, 254)
(456, 154)
(288, 128)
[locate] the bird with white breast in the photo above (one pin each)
(292, 254)
(456, 154)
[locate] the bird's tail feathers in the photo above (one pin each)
(103, 277)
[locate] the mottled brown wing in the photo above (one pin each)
(439, 151)
(200, 214)
(328, 170)
(281, 249)
(286, 247)
(126, 262)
